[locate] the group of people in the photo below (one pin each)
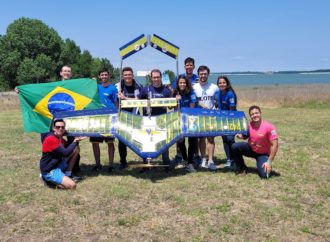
(191, 91)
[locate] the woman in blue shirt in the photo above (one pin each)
(227, 100)
(186, 97)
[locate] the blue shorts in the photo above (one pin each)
(56, 175)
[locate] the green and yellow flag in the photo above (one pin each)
(40, 101)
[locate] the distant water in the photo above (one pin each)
(270, 79)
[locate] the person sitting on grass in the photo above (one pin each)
(57, 159)
(262, 144)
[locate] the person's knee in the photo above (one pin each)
(72, 186)
(111, 147)
(76, 151)
(68, 183)
(210, 140)
(235, 146)
(95, 145)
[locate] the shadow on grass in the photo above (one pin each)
(254, 170)
(154, 173)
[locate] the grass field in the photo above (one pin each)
(158, 206)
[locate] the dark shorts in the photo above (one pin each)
(101, 139)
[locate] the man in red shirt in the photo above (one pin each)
(58, 158)
(262, 144)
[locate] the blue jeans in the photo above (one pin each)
(228, 142)
(243, 148)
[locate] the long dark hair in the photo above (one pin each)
(188, 86)
(229, 87)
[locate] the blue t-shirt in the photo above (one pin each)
(155, 92)
(108, 95)
(193, 80)
(187, 99)
(226, 101)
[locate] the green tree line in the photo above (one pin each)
(32, 52)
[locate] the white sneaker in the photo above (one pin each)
(228, 164)
(204, 163)
(182, 164)
(212, 166)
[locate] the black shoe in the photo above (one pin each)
(241, 172)
(110, 169)
(97, 168)
(76, 169)
(76, 178)
(123, 166)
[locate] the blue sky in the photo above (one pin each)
(235, 35)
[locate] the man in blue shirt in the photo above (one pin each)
(189, 66)
(157, 90)
(108, 97)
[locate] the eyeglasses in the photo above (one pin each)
(60, 127)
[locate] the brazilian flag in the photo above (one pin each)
(39, 102)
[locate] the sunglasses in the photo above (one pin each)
(60, 127)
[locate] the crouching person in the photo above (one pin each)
(57, 158)
(262, 145)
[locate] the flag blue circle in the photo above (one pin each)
(60, 102)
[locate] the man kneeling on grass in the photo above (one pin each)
(262, 144)
(57, 160)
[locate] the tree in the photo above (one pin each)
(99, 64)
(32, 52)
(84, 65)
(35, 71)
(26, 39)
(70, 55)
(170, 74)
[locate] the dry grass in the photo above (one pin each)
(159, 206)
(9, 100)
(284, 96)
